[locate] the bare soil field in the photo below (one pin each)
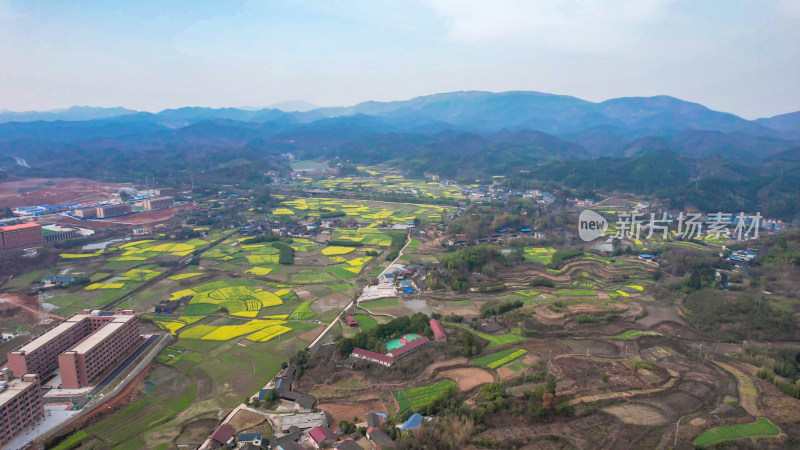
(356, 407)
(33, 191)
(637, 414)
(245, 419)
(544, 349)
(468, 378)
(778, 405)
(310, 335)
(196, 432)
(589, 431)
(594, 346)
(330, 302)
(22, 310)
(658, 314)
(586, 375)
(507, 373)
(548, 317)
(144, 217)
(583, 308)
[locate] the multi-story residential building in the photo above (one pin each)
(158, 203)
(81, 347)
(20, 235)
(21, 404)
(113, 210)
(87, 213)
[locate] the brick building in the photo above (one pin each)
(158, 203)
(21, 235)
(81, 347)
(113, 210)
(87, 213)
(20, 404)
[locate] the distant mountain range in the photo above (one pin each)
(460, 134)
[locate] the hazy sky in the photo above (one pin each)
(737, 56)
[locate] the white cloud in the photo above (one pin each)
(588, 25)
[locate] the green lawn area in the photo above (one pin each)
(25, 280)
(761, 427)
(365, 322)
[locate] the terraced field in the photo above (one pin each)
(498, 359)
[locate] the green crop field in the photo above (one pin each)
(415, 399)
(496, 360)
(71, 441)
(130, 422)
(575, 293)
(303, 311)
(761, 427)
(495, 340)
(633, 334)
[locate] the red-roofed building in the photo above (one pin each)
(351, 321)
(21, 235)
(385, 360)
(223, 435)
(411, 346)
(321, 436)
(438, 331)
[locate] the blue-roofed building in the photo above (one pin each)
(250, 438)
(413, 422)
(525, 230)
(645, 256)
(57, 281)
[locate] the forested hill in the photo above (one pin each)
(647, 145)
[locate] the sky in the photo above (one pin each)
(736, 56)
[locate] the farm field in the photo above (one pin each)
(495, 340)
(416, 399)
(495, 360)
(385, 180)
(374, 213)
(633, 334)
(761, 428)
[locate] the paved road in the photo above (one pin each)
(82, 399)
